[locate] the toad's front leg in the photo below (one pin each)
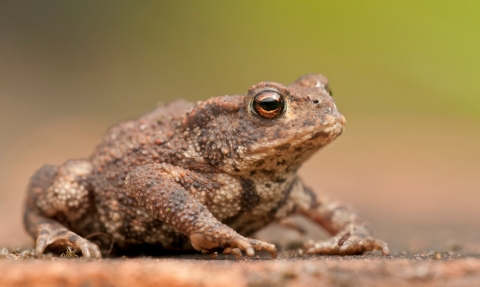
(159, 188)
(352, 234)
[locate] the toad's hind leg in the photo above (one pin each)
(59, 193)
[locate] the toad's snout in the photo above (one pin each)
(342, 120)
(326, 106)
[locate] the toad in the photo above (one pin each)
(202, 176)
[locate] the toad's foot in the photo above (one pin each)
(233, 246)
(347, 242)
(56, 235)
(352, 234)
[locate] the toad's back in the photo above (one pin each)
(140, 141)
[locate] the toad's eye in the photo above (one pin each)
(268, 104)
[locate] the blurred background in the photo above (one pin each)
(404, 73)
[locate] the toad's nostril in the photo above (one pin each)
(316, 102)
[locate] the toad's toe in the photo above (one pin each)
(347, 244)
(48, 236)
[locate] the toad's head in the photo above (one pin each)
(273, 127)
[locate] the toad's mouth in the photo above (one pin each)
(315, 136)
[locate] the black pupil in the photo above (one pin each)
(270, 103)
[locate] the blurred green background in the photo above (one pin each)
(119, 57)
(404, 73)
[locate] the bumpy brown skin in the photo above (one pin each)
(203, 175)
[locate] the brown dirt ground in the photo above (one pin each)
(416, 180)
(429, 270)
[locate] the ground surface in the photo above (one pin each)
(416, 181)
(433, 269)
